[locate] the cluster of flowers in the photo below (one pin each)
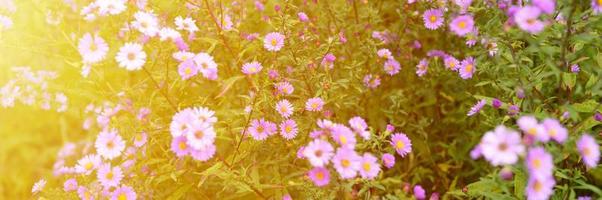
(31, 88)
(512, 109)
(193, 133)
(503, 147)
(345, 160)
(8, 7)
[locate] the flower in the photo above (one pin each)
(93, 49)
(346, 162)
(87, 164)
(112, 7)
(388, 160)
(384, 53)
(496, 103)
(555, 130)
(179, 145)
(419, 192)
(109, 176)
(575, 68)
(371, 81)
(477, 107)
(589, 150)
(273, 41)
(526, 19)
(539, 162)
(187, 24)
(392, 67)
(200, 135)
(187, 69)
(328, 61)
(369, 166)
(146, 22)
(38, 186)
(344, 136)
(131, 56)
(320, 176)
(285, 108)
(288, 129)
(467, 68)
(540, 188)
(303, 17)
(501, 146)
(433, 18)
(547, 6)
(70, 185)
(597, 6)
(513, 110)
(462, 25)
(318, 152)
(204, 153)
(284, 88)
(251, 68)
(314, 104)
(451, 63)
(261, 129)
(109, 144)
(401, 143)
(358, 125)
(84, 193)
(124, 193)
(422, 67)
(206, 65)
(530, 126)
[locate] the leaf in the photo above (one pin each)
(569, 79)
(179, 193)
(228, 84)
(585, 107)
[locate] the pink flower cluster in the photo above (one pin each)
(193, 133)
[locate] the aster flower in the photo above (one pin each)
(93, 49)
(401, 143)
(530, 126)
(288, 129)
(285, 108)
(109, 144)
(451, 63)
(38, 186)
(392, 67)
(131, 56)
(359, 126)
(180, 122)
(589, 150)
(539, 162)
(203, 115)
(501, 146)
(369, 166)
(87, 164)
(179, 145)
(187, 24)
(204, 153)
(187, 69)
(371, 81)
(284, 88)
(433, 18)
(109, 176)
(467, 68)
(112, 7)
(388, 160)
(123, 193)
(70, 185)
(183, 55)
(477, 107)
(320, 176)
(167, 33)
(496, 103)
(540, 188)
(314, 104)
(318, 152)
(206, 65)
(526, 19)
(462, 25)
(344, 136)
(328, 61)
(260, 129)
(597, 6)
(85, 194)
(251, 68)
(384, 53)
(547, 6)
(200, 135)
(273, 41)
(146, 22)
(303, 17)
(346, 162)
(422, 67)
(555, 130)
(513, 110)
(575, 68)
(419, 192)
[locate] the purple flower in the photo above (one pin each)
(451, 63)
(477, 107)
(530, 126)
(392, 67)
(555, 130)
(496, 103)
(597, 6)
(547, 6)
(589, 150)
(539, 162)
(388, 160)
(318, 152)
(540, 188)
(575, 68)
(401, 143)
(502, 146)
(433, 18)
(371, 81)
(303, 17)
(598, 116)
(422, 67)
(506, 173)
(320, 176)
(419, 192)
(462, 25)
(513, 110)
(369, 166)
(467, 68)
(346, 162)
(476, 152)
(526, 19)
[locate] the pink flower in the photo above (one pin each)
(462, 25)
(70, 185)
(388, 160)
(422, 67)
(314, 104)
(93, 49)
(187, 69)
(260, 129)
(179, 145)
(369, 166)
(467, 68)
(109, 144)
(401, 143)
(285, 108)
(273, 41)
(346, 162)
(109, 176)
(123, 193)
(359, 126)
(320, 176)
(318, 152)
(433, 18)
(204, 153)
(284, 88)
(288, 129)
(303, 17)
(392, 67)
(251, 68)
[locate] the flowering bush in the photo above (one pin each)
(203, 99)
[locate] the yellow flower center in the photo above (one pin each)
(187, 71)
(182, 145)
(468, 68)
(399, 145)
(131, 56)
(110, 144)
(586, 151)
(462, 24)
(343, 139)
(433, 18)
(110, 175)
(537, 186)
(88, 166)
(536, 163)
(553, 132)
(314, 105)
(199, 134)
(288, 128)
(274, 42)
(93, 47)
(122, 197)
(320, 176)
(345, 163)
(366, 166)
